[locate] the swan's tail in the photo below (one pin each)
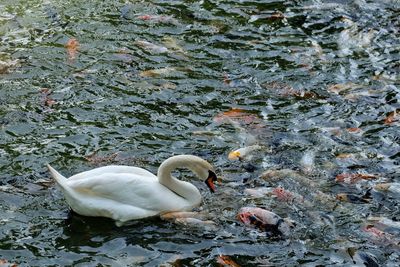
(60, 179)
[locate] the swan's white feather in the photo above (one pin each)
(126, 193)
(130, 189)
(114, 169)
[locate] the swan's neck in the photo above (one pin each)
(184, 189)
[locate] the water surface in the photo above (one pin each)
(315, 84)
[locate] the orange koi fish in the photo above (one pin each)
(72, 47)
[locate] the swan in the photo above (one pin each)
(125, 193)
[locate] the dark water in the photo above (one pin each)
(315, 84)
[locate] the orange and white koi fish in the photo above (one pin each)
(351, 178)
(385, 224)
(286, 196)
(258, 192)
(210, 225)
(159, 19)
(236, 115)
(343, 87)
(163, 72)
(388, 187)
(150, 47)
(264, 220)
(242, 153)
(226, 261)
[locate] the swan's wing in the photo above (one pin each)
(128, 189)
(114, 169)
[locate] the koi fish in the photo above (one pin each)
(163, 72)
(152, 48)
(385, 224)
(72, 47)
(271, 17)
(324, 6)
(5, 263)
(258, 192)
(172, 44)
(6, 65)
(243, 152)
(189, 220)
(318, 49)
(283, 195)
(374, 231)
(287, 196)
(47, 101)
(351, 178)
(345, 156)
(44, 182)
(352, 39)
(226, 261)
(381, 236)
(277, 175)
(357, 95)
(356, 199)
(210, 225)
(159, 19)
(236, 115)
(388, 187)
(285, 90)
(391, 117)
(307, 162)
(343, 87)
(362, 258)
(182, 214)
(264, 220)
(354, 130)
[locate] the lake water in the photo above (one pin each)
(314, 84)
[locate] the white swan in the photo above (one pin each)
(126, 193)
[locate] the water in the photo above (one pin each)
(316, 86)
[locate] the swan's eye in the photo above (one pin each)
(212, 177)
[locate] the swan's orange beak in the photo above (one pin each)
(212, 177)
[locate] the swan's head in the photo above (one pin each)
(204, 171)
(199, 166)
(211, 178)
